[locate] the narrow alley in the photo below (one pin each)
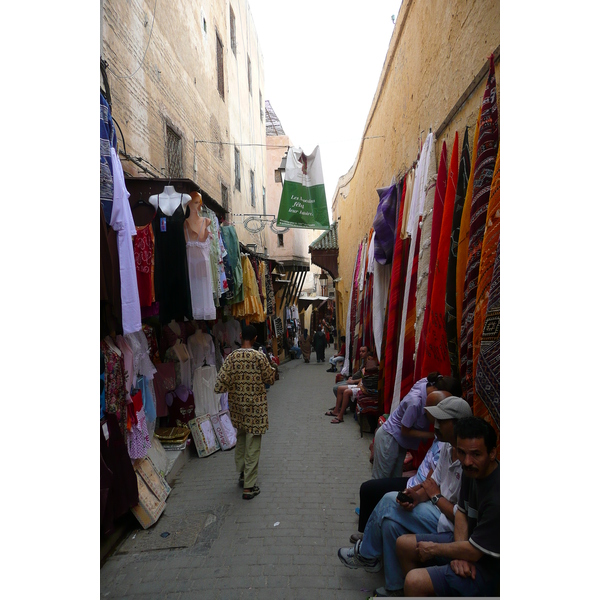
(283, 543)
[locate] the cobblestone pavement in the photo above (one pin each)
(284, 542)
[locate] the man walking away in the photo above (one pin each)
(244, 375)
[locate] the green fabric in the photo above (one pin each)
(230, 239)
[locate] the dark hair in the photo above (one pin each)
(343, 338)
(475, 427)
(249, 333)
(443, 383)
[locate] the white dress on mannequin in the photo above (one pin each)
(201, 287)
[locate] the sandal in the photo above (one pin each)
(249, 493)
(330, 413)
(336, 421)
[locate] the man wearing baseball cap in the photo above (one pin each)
(467, 561)
(429, 506)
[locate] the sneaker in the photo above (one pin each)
(251, 493)
(331, 370)
(355, 537)
(382, 592)
(352, 559)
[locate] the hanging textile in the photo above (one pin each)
(108, 140)
(429, 239)
(396, 296)
(122, 223)
(382, 275)
(270, 292)
(214, 253)
(452, 331)
(487, 378)
(416, 210)
(435, 357)
(487, 149)
(426, 287)
(350, 320)
(251, 307)
(384, 224)
(143, 251)
(232, 245)
(114, 385)
(486, 264)
(410, 184)
(110, 282)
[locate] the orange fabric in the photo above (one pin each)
(462, 253)
(486, 269)
(436, 346)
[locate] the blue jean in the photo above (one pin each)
(387, 523)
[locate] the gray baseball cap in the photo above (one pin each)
(451, 407)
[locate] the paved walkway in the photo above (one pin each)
(283, 543)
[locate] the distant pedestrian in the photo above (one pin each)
(244, 375)
(319, 342)
(306, 346)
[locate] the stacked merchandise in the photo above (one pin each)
(438, 236)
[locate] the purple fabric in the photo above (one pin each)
(410, 413)
(384, 225)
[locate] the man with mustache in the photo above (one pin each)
(467, 562)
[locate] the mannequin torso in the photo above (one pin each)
(168, 200)
(197, 226)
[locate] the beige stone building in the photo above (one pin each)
(186, 82)
(433, 78)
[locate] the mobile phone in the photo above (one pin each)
(402, 497)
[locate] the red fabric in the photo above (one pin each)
(436, 225)
(436, 356)
(396, 295)
(143, 250)
(487, 148)
(408, 362)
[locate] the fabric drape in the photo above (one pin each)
(452, 328)
(487, 149)
(384, 224)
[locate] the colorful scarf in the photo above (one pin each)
(487, 149)
(436, 356)
(486, 264)
(459, 201)
(487, 378)
(462, 251)
(436, 223)
(384, 224)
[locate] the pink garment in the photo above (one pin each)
(165, 380)
(122, 222)
(138, 439)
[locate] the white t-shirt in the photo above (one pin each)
(447, 475)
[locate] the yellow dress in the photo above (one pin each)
(251, 308)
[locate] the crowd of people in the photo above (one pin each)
(437, 532)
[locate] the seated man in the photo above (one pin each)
(340, 357)
(367, 384)
(340, 388)
(466, 563)
(295, 351)
(373, 490)
(425, 508)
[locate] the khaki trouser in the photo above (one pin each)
(247, 453)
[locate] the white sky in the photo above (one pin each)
(322, 61)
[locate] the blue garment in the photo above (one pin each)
(108, 139)
(388, 522)
(144, 384)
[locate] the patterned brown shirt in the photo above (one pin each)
(244, 375)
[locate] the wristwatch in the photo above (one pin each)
(435, 499)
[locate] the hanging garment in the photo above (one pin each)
(462, 251)
(122, 223)
(382, 275)
(138, 440)
(142, 365)
(171, 271)
(201, 349)
(412, 229)
(459, 201)
(230, 239)
(486, 264)
(435, 355)
(350, 320)
(487, 377)
(215, 254)
(110, 281)
(169, 336)
(201, 288)
(396, 295)
(430, 232)
(130, 375)
(143, 251)
(223, 282)
(108, 140)
(234, 333)
(181, 406)
(270, 292)
(150, 335)
(205, 400)
(429, 239)
(251, 307)
(384, 224)
(114, 388)
(487, 149)
(179, 355)
(164, 381)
